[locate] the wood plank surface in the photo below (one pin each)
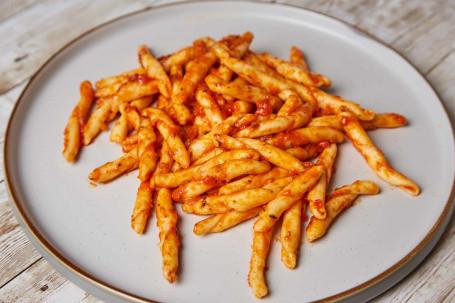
(11, 7)
(18, 251)
(34, 34)
(37, 283)
(442, 77)
(31, 31)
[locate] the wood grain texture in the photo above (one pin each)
(18, 253)
(24, 275)
(36, 284)
(423, 31)
(395, 19)
(442, 76)
(31, 31)
(32, 36)
(429, 39)
(11, 7)
(349, 11)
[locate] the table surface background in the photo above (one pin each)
(32, 30)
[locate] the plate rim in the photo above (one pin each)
(46, 246)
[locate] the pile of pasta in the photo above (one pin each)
(230, 134)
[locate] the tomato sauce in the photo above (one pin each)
(322, 145)
(318, 204)
(178, 193)
(228, 108)
(346, 120)
(139, 78)
(308, 165)
(263, 107)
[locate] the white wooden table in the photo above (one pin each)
(31, 31)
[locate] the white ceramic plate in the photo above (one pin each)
(85, 231)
